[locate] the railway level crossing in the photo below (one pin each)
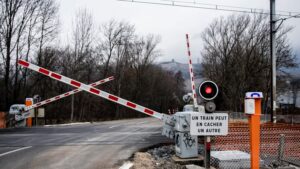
(176, 127)
(184, 127)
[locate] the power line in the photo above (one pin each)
(283, 19)
(293, 16)
(195, 4)
(227, 6)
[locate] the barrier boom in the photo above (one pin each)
(66, 94)
(191, 71)
(91, 90)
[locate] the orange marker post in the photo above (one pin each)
(29, 102)
(253, 108)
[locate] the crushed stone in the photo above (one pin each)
(156, 158)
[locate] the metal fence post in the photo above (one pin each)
(281, 148)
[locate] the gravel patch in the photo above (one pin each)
(156, 158)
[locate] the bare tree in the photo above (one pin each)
(21, 23)
(14, 17)
(113, 36)
(83, 33)
(82, 46)
(27, 30)
(236, 55)
(144, 53)
(42, 31)
(126, 55)
(48, 24)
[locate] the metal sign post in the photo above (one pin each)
(209, 124)
(207, 150)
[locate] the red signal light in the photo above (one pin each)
(208, 90)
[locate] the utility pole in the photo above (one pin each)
(273, 59)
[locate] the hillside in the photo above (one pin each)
(174, 66)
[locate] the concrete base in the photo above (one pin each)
(196, 167)
(186, 161)
(287, 167)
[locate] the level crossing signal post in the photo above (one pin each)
(208, 90)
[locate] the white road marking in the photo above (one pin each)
(141, 122)
(114, 126)
(126, 165)
(19, 149)
(67, 124)
(134, 133)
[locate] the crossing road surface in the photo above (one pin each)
(80, 146)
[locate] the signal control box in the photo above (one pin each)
(186, 145)
(16, 108)
(182, 121)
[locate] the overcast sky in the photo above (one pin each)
(170, 23)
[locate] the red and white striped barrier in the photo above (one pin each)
(91, 90)
(66, 94)
(191, 71)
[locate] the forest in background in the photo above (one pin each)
(29, 30)
(235, 54)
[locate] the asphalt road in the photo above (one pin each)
(80, 146)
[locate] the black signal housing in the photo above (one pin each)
(208, 90)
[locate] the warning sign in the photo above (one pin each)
(204, 124)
